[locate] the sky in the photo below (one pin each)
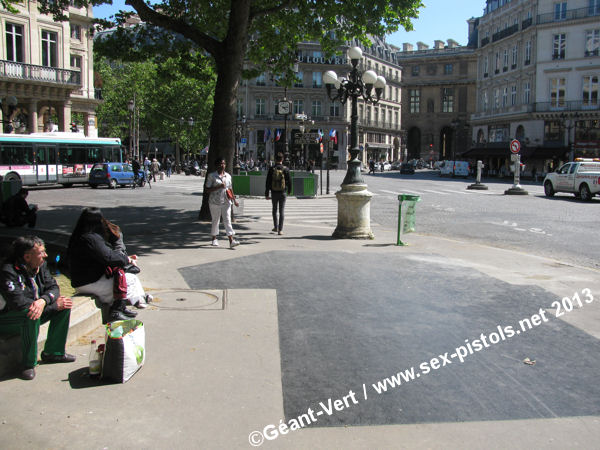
(439, 19)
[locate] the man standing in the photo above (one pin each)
(155, 167)
(135, 167)
(32, 298)
(278, 183)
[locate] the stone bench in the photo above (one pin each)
(85, 318)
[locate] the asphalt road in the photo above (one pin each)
(562, 227)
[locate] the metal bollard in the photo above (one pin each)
(406, 215)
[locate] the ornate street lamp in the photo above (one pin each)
(353, 198)
(303, 121)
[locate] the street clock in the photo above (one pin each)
(284, 107)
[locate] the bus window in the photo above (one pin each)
(111, 154)
(65, 155)
(19, 155)
(94, 154)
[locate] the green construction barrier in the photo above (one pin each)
(310, 186)
(241, 184)
(304, 184)
(406, 215)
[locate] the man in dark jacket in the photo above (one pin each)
(32, 297)
(278, 183)
(16, 212)
(135, 167)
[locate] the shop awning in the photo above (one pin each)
(495, 151)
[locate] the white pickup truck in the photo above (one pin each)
(580, 177)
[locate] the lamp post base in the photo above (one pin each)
(354, 212)
(478, 186)
(516, 190)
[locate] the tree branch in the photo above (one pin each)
(180, 26)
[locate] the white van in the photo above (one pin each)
(456, 168)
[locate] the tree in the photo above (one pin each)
(165, 93)
(263, 31)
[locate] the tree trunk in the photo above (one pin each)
(229, 62)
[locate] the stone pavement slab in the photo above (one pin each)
(213, 375)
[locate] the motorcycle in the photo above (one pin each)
(142, 179)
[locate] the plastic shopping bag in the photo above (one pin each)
(125, 350)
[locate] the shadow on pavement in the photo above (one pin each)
(80, 379)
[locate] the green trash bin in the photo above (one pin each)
(406, 215)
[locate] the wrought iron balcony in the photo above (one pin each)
(20, 71)
(573, 105)
(571, 14)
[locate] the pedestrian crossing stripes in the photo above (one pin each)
(308, 211)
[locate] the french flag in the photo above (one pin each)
(277, 134)
(267, 134)
(333, 135)
(320, 135)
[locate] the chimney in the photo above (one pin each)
(406, 47)
(438, 45)
(422, 46)
(452, 43)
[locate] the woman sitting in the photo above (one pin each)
(93, 263)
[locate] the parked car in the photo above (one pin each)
(407, 168)
(396, 165)
(111, 174)
(579, 177)
(386, 166)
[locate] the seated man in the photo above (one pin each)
(16, 212)
(32, 297)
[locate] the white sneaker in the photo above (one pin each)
(215, 243)
(234, 243)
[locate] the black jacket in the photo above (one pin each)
(89, 256)
(17, 287)
(286, 174)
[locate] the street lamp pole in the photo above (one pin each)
(455, 126)
(353, 198)
(239, 129)
(131, 107)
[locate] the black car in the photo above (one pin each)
(407, 168)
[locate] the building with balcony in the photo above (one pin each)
(46, 70)
(537, 81)
(438, 97)
(379, 124)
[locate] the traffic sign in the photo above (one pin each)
(515, 146)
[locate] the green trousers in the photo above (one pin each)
(17, 322)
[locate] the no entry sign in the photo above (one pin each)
(515, 146)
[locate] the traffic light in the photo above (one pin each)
(74, 127)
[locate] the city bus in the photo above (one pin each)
(54, 158)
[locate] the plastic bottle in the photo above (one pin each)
(94, 367)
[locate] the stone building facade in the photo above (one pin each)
(538, 82)
(438, 98)
(47, 71)
(265, 131)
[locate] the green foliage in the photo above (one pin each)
(166, 90)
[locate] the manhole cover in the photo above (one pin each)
(188, 299)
